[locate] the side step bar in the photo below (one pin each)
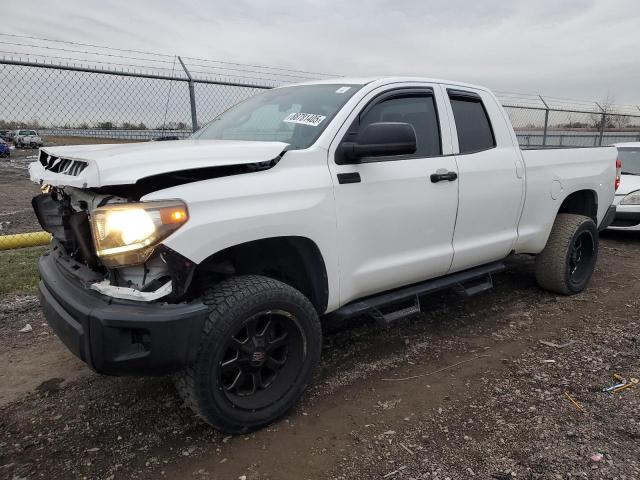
(468, 282)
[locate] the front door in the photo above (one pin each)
(395, 225)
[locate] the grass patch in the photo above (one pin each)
(19, 270)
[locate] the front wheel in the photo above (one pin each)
(259, 349)
(568, 260)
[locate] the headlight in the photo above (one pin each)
(126, 234)
(632, 199)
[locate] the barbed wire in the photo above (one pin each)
(168, 57)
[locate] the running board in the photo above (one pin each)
(475, 286)
(468, 282)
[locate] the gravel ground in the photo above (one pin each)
(471, 388)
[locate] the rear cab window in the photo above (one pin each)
(475, 133)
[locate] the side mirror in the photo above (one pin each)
(382, 139)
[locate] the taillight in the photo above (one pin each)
(618, 171)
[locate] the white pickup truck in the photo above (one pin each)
(217, 257)
(27, 138)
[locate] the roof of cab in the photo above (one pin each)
(384, 81)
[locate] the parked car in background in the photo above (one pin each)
(4, 135)
(8, 135)
(27, 138)
(627, 200)
(4, 149)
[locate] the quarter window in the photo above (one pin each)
(416, 110)
(472, 122)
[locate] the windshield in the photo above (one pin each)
(28, 133)
(630, 161)
(294, 115)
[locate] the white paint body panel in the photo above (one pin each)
(393, 228)
(628, 184)
(576, 169)
(491, 190)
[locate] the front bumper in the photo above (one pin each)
(118, 337)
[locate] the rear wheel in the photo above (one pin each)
(568, 260)
(258, 351)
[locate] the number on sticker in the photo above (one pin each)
(311, 119)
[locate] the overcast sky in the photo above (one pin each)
(585, 49)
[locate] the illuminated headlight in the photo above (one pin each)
(632, 199)
(126, 234)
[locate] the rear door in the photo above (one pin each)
(491, 178)
(395, 227)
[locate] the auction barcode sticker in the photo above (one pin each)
(311, 119)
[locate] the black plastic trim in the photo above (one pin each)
(611, 215)
(119, 337)
(352, 177)
(365, 305)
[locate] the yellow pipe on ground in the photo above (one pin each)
(22, 240)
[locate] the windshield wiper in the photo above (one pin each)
(630, 173)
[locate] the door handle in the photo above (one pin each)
(353, 177)
(441, 177)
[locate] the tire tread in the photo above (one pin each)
(221, 298)
(550, 268)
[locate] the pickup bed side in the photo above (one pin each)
(571, 180)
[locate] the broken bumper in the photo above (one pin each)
(118, 337)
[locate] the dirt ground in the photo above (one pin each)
(471, 388)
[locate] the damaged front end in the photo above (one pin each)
(113, 244)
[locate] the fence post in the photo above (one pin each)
(546, 121)
(602, 122)
(192, 97)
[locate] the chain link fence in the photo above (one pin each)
(71, 104)
(547, 122)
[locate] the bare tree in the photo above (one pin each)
(620, 121)
(606, 107)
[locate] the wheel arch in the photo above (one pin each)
(294, 260)
(581, 202)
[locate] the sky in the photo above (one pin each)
(584, 49)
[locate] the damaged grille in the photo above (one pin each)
(64, 166)
(70, 228)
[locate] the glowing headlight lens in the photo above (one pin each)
(632, 199)
(126, 234)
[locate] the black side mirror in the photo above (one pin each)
(382, 139)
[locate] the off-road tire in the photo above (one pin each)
(230, 303)
(553, 265)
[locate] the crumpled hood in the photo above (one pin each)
(85, 166)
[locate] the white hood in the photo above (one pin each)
(628, 184)
(122, 164)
